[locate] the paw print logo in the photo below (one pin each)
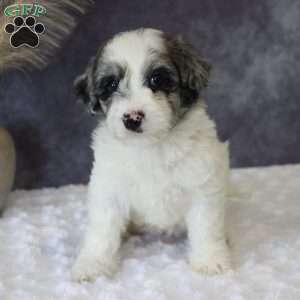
(24, 32)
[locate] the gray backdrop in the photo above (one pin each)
(254, 95)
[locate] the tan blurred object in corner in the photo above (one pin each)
(7, 165)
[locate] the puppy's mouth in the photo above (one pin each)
(139, 130)
(135, 130)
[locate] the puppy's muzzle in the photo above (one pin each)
(133, 121)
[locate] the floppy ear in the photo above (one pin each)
(81, 88)
(192, 70)
(84, 93)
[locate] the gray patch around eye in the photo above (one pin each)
(159, 65)
(105, 74)
(87, 86)
(160, 59)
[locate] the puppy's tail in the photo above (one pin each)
(59, 22)
(8, 165)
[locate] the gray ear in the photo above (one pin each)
(193, 71)
(83, 90)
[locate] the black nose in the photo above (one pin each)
(133, 121)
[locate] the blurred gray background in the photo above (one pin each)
(254, 92)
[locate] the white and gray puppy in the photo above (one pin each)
(158, 162)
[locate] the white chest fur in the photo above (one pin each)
(156, 192)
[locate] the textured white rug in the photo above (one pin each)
(40, 231)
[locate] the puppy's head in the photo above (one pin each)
(143, 81)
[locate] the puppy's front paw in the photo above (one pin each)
(88, 269)
(212, 262)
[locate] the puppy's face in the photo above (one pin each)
(143, 82)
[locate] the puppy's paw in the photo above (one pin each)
(88, 269)
(212, 263)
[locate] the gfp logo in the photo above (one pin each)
(24, 10)
(24, 29)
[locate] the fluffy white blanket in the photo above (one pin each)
(40, 233)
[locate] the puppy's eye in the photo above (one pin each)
(112, 84)
(108, 86)
(156, 80)
(161, 79)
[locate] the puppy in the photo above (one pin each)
(157, 159)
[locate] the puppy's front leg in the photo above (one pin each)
(209, 253)
(99, 253)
